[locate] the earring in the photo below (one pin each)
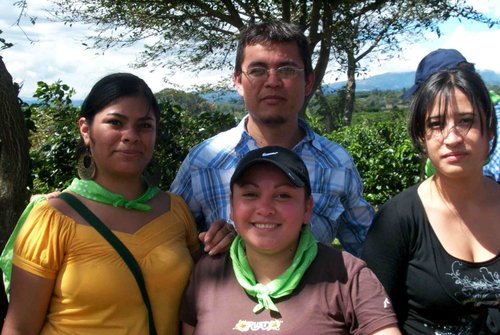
(86, 166)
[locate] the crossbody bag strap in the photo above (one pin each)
(122, 250)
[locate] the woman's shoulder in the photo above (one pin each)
(339, 262)
(60, 208)
(176, 203)
(402, 214)
(173, 197)
(45, 220)
(406, 197)
(50, 210)
(213, 266)
(404, 204)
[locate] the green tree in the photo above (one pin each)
(53, 138)
(188, 101)
(197, 35)
(329, 107)
(384, 156)
(179, 131)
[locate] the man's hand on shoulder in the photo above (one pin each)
(217, 239)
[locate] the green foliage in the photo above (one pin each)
(384, 156)
(379, 100)
(327, 109)
(494, 88)
(179, 131)
(53, 135)
(233, 107)
(188, 101)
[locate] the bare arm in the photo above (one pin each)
(218, 238)
(388, 331)
(187, 329)
(29, 300)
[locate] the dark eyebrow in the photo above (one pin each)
(245, 183)
(257, 64)
(122, 116)
(116, 114)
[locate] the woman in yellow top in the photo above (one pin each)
(66, 278)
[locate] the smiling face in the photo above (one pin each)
(121, 137)
(269, 210)
(453, 138)
(271, 99)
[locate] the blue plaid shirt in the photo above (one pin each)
(339, 208)
(492, 169)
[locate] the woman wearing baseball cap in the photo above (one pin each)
(277, 277)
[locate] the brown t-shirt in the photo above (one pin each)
(338, 294)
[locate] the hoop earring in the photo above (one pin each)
(86, 166)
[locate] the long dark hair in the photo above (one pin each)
(110, 88)
(443, 84)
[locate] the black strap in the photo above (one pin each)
(122, 250)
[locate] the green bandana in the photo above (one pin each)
(93, 191)
(86, 188)
(285, 283)
(8, 251)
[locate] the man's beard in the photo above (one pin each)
(274, 120)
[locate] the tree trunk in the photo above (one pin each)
(14, 155)
(326, 110)
(350, 89)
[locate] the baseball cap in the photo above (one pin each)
(435, 61)
(286, 160)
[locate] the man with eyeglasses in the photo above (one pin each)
(273, 73)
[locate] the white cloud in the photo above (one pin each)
(488, 7)
(58, 54)
(476, 42)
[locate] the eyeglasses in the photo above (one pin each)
(437, 129)
(282, 72)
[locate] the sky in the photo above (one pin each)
(54, 51)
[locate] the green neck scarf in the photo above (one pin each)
(93, 191)
(285, 283)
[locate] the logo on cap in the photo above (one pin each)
(265, 154)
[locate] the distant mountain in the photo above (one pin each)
(222, 96)
(399, 81)
(31, 100)
(393, 81)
